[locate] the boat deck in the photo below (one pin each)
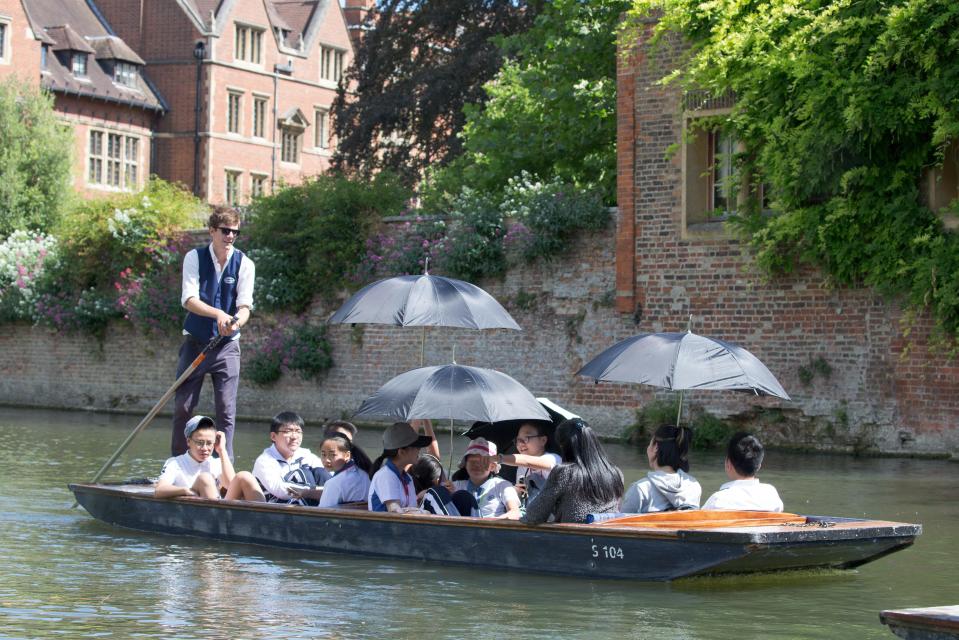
(928, 623)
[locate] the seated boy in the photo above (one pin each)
(495, 497)
(198, 473)
(288, 472)
(744, 491)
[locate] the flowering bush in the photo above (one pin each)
(300, 347)
(89, 311)
(150, 298)
(24, 259)
(402, 250)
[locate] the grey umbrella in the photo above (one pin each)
(452, 391)
(424, 301)
(681, 361)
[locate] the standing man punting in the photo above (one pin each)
(217, 285)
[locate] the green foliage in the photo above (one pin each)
(708, 430)
(308, 239)
(34, 160)
(100, 238)
(298, 346)
(404, 110)
(551, 109)
(25, 259)
(841, 106)
(474, 247)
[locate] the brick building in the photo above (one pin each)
(842, 353)
(98, 85)
(226, 97)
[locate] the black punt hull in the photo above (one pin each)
(577, 550)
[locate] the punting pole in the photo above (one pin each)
(159, 405)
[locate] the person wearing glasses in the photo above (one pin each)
(217, 287)
(197, 473)
(287, 472)
(534, 460)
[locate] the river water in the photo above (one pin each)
(65, 575)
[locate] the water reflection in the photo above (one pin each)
(62, 574)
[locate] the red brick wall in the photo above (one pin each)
(878, 394)
(21, 56)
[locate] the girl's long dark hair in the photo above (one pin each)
(592, 476)
(387, 453)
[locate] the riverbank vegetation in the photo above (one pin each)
(845, 115)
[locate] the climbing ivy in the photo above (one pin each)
(841, 106)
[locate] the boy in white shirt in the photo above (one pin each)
(495, 497)
(744, 491)
(285, 470)
(198, 473)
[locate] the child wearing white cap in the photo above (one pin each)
(198, 473)
(495, 497)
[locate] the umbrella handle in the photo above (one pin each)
(679, 410)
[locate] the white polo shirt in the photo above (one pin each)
(745, 495)
(389, 483)
(271, 467)
(492, 496)
(183, 470)
(350, 484)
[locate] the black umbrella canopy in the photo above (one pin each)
(682, 361)
(424, 301)
(503, 433)
(454, 392)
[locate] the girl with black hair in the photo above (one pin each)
(586, 482)
(351, 477)
(668, 487)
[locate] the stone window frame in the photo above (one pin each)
(321, 131)
(332, 63)
(290, 145)
(248, 43)
(234, 111)
(6, 47)
(258, 182)
(940, 185)
(113, 160)
(232, 186)
(258, 120)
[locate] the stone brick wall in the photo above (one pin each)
(878, 396)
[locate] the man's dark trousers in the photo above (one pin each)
(223, 365)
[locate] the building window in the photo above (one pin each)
(259, 117)
(233, 112)
(131, 164)
(257, 185)
(95, 158)
(321, 135)
(3, 41)
(233, 188)
(290, 146)
(79, 65)
(249, 45)
(125, 73)
(44, 52)
(331, 63)
(722, 177)
(113, 160)
(338, 65)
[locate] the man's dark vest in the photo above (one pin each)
(221, 295)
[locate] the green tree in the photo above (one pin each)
(551, 109)
(416, 67)
(307, 239)
(841, 106)
(34, 159)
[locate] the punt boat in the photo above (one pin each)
(658, 546)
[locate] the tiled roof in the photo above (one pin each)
(113, 48)
(296, 14)
(66, 39)
(75, 27)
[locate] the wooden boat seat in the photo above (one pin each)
(698, 519)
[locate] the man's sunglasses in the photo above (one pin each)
(227, 231)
